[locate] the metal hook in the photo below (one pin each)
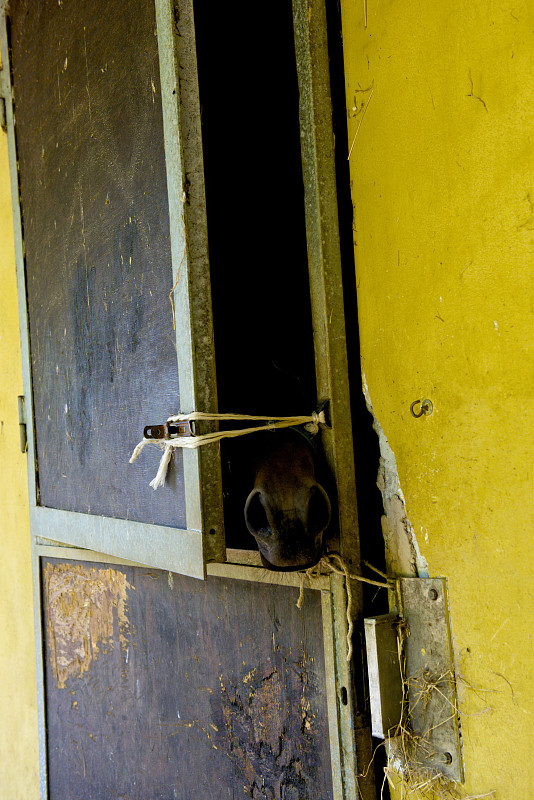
(426, 408)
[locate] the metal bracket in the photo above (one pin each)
(3, 95)
(22, 424)
(3, 114)
(169, 430)
(383, 667)
(421, 686)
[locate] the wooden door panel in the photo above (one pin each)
(165, 687)
(95, 215)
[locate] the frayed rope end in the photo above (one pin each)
(159, 480)
(138, 450)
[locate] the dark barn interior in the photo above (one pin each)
(264, 351)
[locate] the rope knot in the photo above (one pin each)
(317, 418)
(311, 423)
(334, 563)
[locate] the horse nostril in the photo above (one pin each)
(318, 510)
(256, 515)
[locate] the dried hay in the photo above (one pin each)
(409, 751)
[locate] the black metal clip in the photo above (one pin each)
(169, 430)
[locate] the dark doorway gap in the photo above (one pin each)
(256, 226)
(366, 446)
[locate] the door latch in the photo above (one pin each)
(169, 430)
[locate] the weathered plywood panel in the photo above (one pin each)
(98, 262)
(161, 686)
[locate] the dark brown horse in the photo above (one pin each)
(287, 511)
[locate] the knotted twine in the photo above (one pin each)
(311, 423)
(328, 562)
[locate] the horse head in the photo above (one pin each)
(287, 511)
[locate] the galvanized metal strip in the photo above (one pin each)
(351, 761)
(39, 672)
(191, 275)
(4, 91)
(153, 545)
(51, 550)
(262, 575)
(250, 558)
(19, 261)
(324, 257)
(26, 382)
(430, 677)
(332, 693)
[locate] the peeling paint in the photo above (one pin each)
(403, 557)
(81, 607)
(266, 702)
(269, 729)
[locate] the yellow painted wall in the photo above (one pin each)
(441, 96)
(18, 707)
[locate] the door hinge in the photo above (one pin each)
(22, 424)
(3, 94)
(3, 117)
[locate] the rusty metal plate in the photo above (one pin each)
(430, 685)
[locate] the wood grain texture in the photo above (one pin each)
(193, 689)
(98, 263)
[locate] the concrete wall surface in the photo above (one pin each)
(440, 102)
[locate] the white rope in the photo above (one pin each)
(161, 474)
(311, 423)
(312, 573)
